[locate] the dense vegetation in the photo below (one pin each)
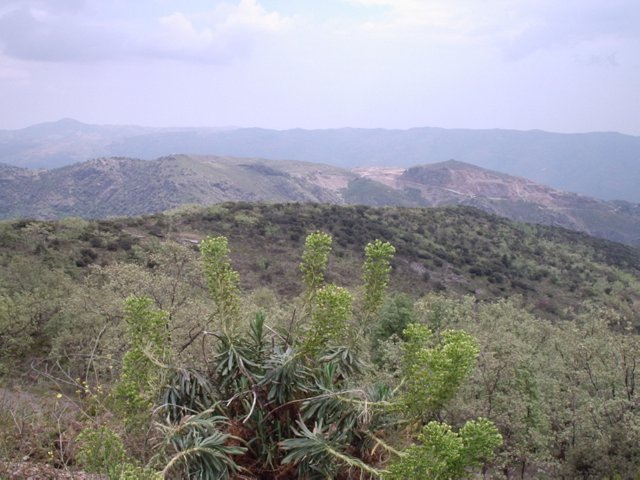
(160, 352)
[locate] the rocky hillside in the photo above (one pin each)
(121, 186)
(458, 183)
(601, 165)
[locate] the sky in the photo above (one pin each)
(555, 65)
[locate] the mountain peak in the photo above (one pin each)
(69, 122)
(451, 164)
(58, 127)
(472, 181)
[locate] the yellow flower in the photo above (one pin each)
(59, 395)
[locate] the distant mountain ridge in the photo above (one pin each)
(122, 187)
(601, 165)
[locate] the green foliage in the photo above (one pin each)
(147, 334)
(555, 370)
(102, 451)
(440, 312)
(31, 294)
(434, 373)
(267, 388)
(558, 393)
(186, 392)
(16, 329)
(320, 453)
(447, 455)
(222, 279)
(131, 471)
(329, 322)
(437, 248)
(202, 451)
(146, 327)
(375, 275)
(396, 313)
(317, 247)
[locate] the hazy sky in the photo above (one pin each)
(558, 65)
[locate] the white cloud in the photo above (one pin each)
(217, 35)
(250, 15)
(63, 31)
(518, 28)
(447, 19)
(573, 24)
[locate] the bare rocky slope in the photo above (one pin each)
(517, 198)
(122, 186)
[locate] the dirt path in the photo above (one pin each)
(37, 471)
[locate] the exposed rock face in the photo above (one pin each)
(123, 186)
(454, 182)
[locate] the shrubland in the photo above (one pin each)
(457, 344)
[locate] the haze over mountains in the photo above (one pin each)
(123, 186)
(601, 165)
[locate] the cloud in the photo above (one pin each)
(553, 25)
(50, 5)
(216, 36)
(447, 18)
(250, 15)
(35, 36)
(515, 28)
(66, 31)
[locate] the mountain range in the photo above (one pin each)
(123, 186)
(600, 165)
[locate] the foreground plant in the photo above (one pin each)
(443, 454)
(275, 405)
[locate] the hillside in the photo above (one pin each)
(78, 297)
(457, 249)
(517, 198)
(600, 165)
(120, 186)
